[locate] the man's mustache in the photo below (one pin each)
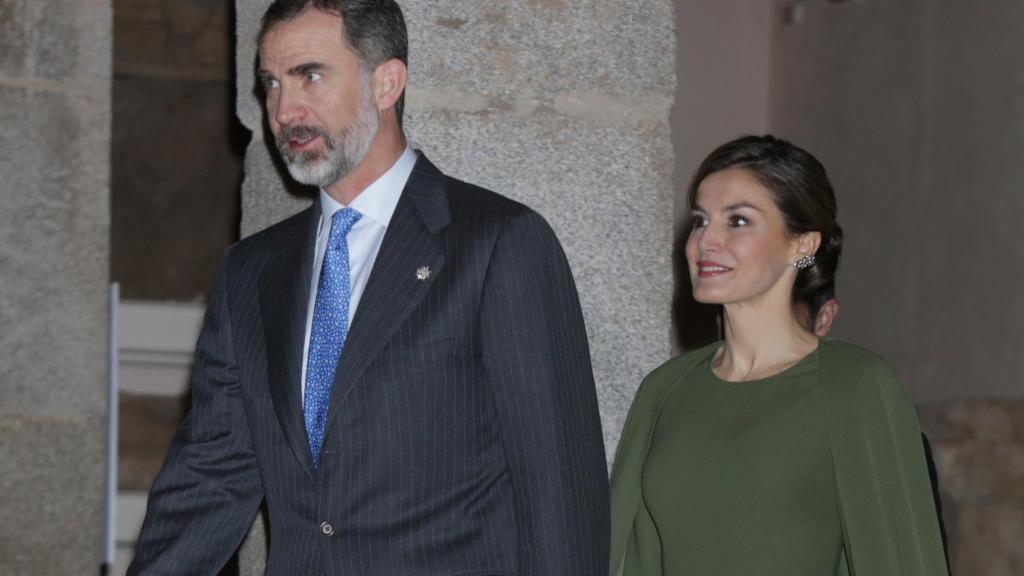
(289, 133)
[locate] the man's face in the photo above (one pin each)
(319, 100)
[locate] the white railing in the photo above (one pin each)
(155, 342)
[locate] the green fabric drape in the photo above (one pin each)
(887, 512)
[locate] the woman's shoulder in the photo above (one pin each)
(662, 379)
(850, 357)
(852, 370)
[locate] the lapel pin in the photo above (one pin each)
(422, 273)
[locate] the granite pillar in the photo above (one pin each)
(54, 253)
(561, 105)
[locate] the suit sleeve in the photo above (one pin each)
(537, 363)
(205, 497)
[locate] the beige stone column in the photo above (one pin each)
(561, 105)
(54, 258)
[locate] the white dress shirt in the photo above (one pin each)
(377, 204)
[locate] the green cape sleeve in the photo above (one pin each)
(626, 504)
(890, 527)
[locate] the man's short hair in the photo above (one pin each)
(373, 29)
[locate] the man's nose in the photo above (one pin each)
(289, 107)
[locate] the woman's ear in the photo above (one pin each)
(389, 83)
(807, 244)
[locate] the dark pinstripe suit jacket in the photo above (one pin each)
(463, 435)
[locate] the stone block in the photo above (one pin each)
(52, 495)
(988, 539)
(542, 46)
(56, 40)
(13, 43)
(54, 252)
(978, 447)
(247, 25)
(70, 42)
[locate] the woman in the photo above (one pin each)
(773, 452)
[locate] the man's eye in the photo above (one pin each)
(738, 221)
(313, 76)
(698, 221)
(270, 84)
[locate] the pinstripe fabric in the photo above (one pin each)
(462, 436)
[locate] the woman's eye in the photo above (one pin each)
(738, 221)
(697, 221)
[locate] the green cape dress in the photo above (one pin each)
(887, 512)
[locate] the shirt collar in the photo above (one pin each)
(378, 201)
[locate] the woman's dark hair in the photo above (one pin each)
(801, 190)
(374, 29)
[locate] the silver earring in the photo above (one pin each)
(804, 263)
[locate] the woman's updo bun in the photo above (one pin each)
(802, 192)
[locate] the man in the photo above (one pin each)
(400, 371)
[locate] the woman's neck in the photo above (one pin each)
(761, 339)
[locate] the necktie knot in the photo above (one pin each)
(341, 224)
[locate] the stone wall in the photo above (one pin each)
(54, 253)
(562, 105)
(978, 447)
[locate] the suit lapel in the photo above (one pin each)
(397, 283)
(284, 300)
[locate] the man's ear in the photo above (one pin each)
(389, 83)
(826, 317)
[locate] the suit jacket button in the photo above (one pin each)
(327, 529)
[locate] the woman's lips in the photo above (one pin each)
(711, 269)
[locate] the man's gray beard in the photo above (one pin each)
(342, 152)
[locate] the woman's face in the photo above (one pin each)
(739, 249)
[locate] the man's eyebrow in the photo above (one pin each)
(306, 68)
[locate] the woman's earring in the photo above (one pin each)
(804, 263)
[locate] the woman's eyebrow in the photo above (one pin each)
(735, 207)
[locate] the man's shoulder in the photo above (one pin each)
(470, 204)
(473, 201)
(263, 244)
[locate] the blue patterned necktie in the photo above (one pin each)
(330, 327)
